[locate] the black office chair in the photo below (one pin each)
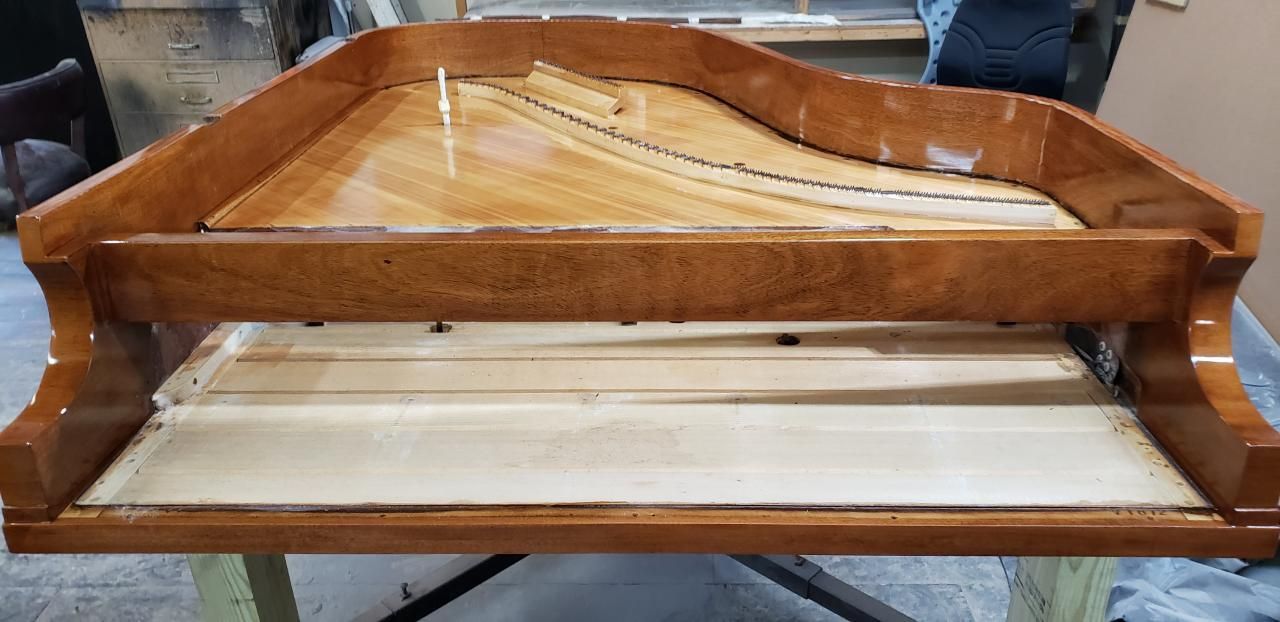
(38, 169)
(1010, 45)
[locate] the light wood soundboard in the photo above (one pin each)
(390, 165)
(702, 414)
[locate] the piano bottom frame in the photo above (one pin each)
(863, 438)
(1091, 533)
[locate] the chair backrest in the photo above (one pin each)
(29, 106)
(1010, 45)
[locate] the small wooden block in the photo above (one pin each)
(586, 93)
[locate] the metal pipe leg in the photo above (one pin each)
(808, 580)
(419, 599)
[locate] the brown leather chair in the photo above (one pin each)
(35, 170)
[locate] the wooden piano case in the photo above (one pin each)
(795, 389)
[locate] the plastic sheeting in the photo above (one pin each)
(1258, 360)
(1188, 590)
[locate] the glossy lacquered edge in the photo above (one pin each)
(94, 395)
(100, 372)
(900, 531)
(1105, 177)
(1188, 393)
(90, 400)
(97, 385)
(725, 276)
(170, 185)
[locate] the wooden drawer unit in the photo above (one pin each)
(166, 62)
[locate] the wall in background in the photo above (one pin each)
(1200, 86)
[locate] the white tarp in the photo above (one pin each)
(1189, 590)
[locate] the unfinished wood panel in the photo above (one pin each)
(244, 588)
(710, 415)
(1062, 589)
(657, 341)
(574, 95)
(390, 165)
(621, 375)
(219, 350)
(595, 95)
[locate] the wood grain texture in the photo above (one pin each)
(244, 588)
(1062, 589)
(1114, 183)
(658, 159)
(94, 394)
(647, 530)
(692, 414)
(92, 397)
(1166, 252)
(391, 165)
(962, 130)
(713, 276)
(169, 186)
(1190, 397)
(595, 95)
(520, 341)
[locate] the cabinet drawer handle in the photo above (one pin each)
(184, 46)
(196, 101)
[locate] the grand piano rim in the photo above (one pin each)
(120, 262)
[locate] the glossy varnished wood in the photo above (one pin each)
(595, 95)
(391, 165)
(1166, 248)
(1101, 176)
(1104, 177)
(93, 394)
(1190, 396)
(645, 530)
(139, 193)
(960, 275)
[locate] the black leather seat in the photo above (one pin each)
(1010, 45)
(35, 170)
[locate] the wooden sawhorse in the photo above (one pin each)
(256, 588)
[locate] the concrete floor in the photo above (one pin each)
(551, 587)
